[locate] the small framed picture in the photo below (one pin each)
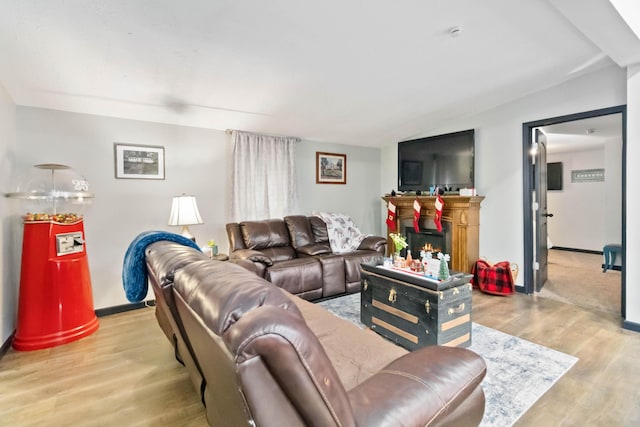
(331, 168)
(139, 161)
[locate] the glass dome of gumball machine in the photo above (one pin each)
(55, 304)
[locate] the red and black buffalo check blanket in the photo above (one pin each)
(493, 279)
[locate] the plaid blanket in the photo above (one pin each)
(493, 279)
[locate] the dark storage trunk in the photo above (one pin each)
(414, 311)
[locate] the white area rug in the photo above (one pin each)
(519, 372)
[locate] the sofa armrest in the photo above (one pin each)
(251, 255)
(314, 249)
(427, 386)
(374, 243)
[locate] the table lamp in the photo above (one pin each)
(184, 212)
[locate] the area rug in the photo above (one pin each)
(519, 372)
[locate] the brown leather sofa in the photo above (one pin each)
(294, 253)
(260, 356)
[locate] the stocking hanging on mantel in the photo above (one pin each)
(416, 215)
(391, 216)
(437, 219)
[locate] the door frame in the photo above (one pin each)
(527, 188)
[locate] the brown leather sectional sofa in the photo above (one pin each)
(260, 356)
(294, 253)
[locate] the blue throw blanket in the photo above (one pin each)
(134, 269)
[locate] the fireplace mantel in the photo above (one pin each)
(461, 211)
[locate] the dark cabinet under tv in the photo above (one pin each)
(460, 217)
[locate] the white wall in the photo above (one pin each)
(580, 213)
(198, 162)
(195, 164)
(9, 263)
(498, 168)
(613, 191)
(633, 196)
(359, 198)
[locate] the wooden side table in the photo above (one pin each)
(220, 257)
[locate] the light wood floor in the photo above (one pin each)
(125, 373)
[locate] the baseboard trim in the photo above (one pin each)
(315, 301)
(124, 307)
(631, 326)
(584, 251)
(7, 344)
(99, 313)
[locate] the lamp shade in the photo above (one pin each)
(184, 211)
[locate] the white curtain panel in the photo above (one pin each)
(264, 177)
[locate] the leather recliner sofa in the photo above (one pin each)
(260, 356)
(294, 253)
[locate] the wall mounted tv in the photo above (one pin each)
(443, 160)
(554, 176)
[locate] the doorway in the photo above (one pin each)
(534, 242)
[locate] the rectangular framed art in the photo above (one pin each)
(331, 168)
(139, 161)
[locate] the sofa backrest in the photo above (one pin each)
(319, 230)
(299, 230)
(255, 349)
(269, 236)
(163, 259)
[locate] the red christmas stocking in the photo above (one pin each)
(391, 216)
(438, 217)
(416, 215)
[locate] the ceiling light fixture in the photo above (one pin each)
(590, 131)
(455, 31)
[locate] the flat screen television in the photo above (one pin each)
(444, 160)
(554, 176)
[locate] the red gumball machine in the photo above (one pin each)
(56, 302)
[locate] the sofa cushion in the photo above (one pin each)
(352, 263)
(333, 276)
(259, 235)
(319, 229)
(270, 237)
(284, 372)
(299, 230)
(222, 292)
(300, 276)
(164, 258)
(251, 255)
(355, 353)
(314, 249)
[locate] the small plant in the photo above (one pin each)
(214, 248)
(399, 241)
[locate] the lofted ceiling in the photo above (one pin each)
(354, 72)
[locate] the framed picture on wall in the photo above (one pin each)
(331, 168)
(139, 161)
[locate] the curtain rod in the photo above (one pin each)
(229, 131)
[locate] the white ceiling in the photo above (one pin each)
(355, 72)
(586, 134)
